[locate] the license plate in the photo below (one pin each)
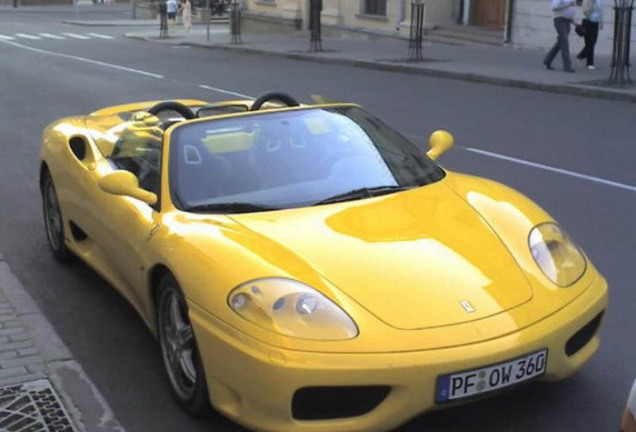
(490, 378)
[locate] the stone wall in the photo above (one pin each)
(349, 14)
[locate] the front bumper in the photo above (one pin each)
(254, 383)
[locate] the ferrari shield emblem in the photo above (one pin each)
(467, 306)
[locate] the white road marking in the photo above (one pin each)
(51, 36)
(28, 36)
(82, 59)
(75, 35)
(101, 36)
(553, 169)
(2, 37)
(231, 93)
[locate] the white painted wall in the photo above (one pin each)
(533, 27)
(438, 11)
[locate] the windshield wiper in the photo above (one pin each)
(237, 207)
(366, 192)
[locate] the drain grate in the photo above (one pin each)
(32, 407)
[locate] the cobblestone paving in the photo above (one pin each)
(20, 360)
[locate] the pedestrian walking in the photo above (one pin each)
(592, 23)
(171, 8)
(564, 12)
(186, 15)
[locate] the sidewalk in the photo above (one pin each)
(503, 66)
(42, 387)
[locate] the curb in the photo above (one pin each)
(109, 24)
(436, 73)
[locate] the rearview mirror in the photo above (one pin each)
(440, 141)
(125, 183)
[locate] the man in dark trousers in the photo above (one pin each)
(564, 12)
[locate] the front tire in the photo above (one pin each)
(53, 220)
(179, 350)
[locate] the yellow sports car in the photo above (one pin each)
(306, 268)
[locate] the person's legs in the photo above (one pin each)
(585, 52)
(549, 57)
(563, 29)
(593, 32)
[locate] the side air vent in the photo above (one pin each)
(77, 232)
(78, 147)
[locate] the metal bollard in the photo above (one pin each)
(163, 20)
(315, 25)
(416, 34)
(623, 10)
(235, 22)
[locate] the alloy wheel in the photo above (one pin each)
(177, 343)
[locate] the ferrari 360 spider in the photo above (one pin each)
(307, 268)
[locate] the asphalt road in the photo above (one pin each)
(587, 139)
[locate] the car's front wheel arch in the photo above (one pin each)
(44, 171)
(154, 278)
(177, 343)
(53, 218)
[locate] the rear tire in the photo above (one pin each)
(179, 351)
(53, 220)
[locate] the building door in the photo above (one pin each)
(490, 13)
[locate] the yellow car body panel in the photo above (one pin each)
(254, 382)
(424, 252)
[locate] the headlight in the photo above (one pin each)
(291, 308)
(556, 255)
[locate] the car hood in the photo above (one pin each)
(415, 259)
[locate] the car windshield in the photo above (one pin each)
(275, 160)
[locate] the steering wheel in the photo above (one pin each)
(278, 96)
(175, 106)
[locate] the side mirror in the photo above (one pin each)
(440, 141)
(125, 183)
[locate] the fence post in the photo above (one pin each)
(416, 33)
(163, 20)
(235, 22)
(619, 74)
(315, 25)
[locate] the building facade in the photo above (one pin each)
(523, 23)
(390, 16)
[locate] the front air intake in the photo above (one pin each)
(325, 403)
(583, 336)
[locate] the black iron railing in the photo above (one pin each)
(623, 10)
(235, 21)
(163, 21)
(315, 25)
(416, 33)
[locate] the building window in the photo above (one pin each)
(375, 7)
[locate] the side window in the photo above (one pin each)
(138, 150)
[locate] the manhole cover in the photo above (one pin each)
(32, 407)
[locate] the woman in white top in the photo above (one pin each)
(186, 14)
